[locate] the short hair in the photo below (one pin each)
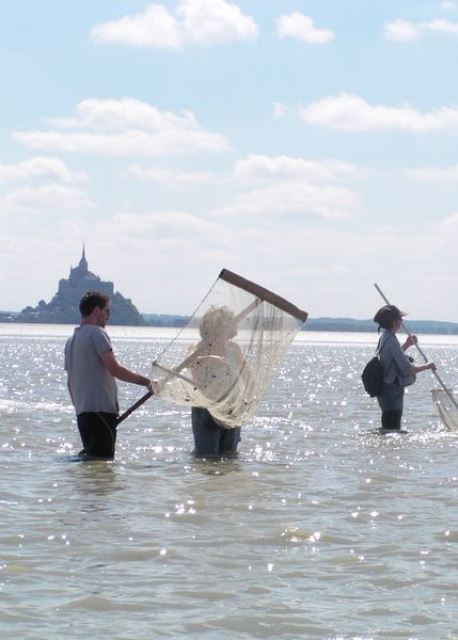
(91, 300)
(387, 315)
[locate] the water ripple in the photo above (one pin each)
(319, 529)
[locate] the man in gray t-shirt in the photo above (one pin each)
(92, 370)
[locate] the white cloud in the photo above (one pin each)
(297, 197)
(170, 176)
(261, 167)
(296, 25)
(155, 27)
(211, 22)
(176, 223)
(45, 198)
(346, 263)
(125, 113)
(290, 260)
(182, 242)
(276, 186)
(442, 26)
(403, 31)
(256, 168)
(124, 127)
(184, 252)
(352, 113)
(199, 22)
(435, 174)
(39, 166)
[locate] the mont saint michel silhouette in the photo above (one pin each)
(63, 308)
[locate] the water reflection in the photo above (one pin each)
(92, 480)
(216, 467)
(319, 528)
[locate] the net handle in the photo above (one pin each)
(263, 293)
(148, 395)
(246, 312)
(135, 406)
(174, 374)
(421, 352)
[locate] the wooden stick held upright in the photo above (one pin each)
(420, 351)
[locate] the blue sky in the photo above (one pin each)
(309, 146)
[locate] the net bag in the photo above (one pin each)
(224, 358)
(447, 407)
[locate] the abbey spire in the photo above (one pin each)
(83, 264)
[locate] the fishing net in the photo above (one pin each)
(447, 406)
(224, 358)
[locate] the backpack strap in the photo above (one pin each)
(379, 350)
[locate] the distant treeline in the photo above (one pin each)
(350, 324)
(326, 324)
(151, 319)
(165, 320)
(312, 324)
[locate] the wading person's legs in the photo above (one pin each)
(98, 434)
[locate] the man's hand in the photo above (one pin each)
(155, 387)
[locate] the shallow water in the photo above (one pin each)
(319, 529)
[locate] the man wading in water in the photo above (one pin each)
(91, 368)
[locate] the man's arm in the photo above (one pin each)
(120, 372)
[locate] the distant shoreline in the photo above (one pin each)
(347, 325)
(437, 327)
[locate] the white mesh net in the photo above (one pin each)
(238, 334)
(447, 406)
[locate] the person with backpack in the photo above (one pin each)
(398, 370)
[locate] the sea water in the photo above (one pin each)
(319, 529)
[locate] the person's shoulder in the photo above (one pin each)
(94, 332)
(386, 339)
(100, 331)
(69, 340)
(91, 328)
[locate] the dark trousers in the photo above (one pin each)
(391, 401)
(98, 434)
(210, 438)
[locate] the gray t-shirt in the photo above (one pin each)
(91, 386)
(395, 363)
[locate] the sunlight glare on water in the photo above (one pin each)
(319, 529)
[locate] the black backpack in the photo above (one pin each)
(372, 375)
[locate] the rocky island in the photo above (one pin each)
(63, 308)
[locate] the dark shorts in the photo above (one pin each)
(98, 434)
(210, 438)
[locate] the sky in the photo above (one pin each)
(309, 146)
